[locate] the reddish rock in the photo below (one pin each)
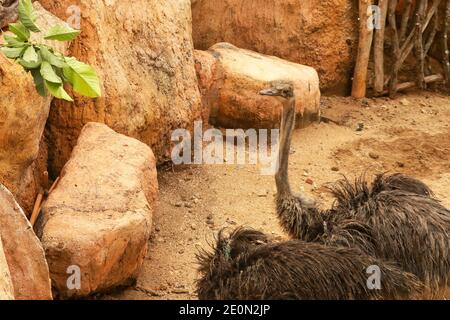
(23, 114)
(6, 286)
(209, 80)
(23, 251)
(231, 78)
(99, 216)
(321, 34)
(143, 53)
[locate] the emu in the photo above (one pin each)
(247, 265)
(394, 218)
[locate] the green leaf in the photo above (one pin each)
(30, 55)
(14, 42)
(62, 32)
(27, 15)
(30, 63)
(39, 82)
(48, 73)
(20, 31)
(12, 53)
(57, 90)
(83, 78)
(54, 60)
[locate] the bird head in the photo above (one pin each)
(281, 89)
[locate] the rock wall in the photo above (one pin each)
(23, 114)
(322, 34)
(143, 52)
(24, 254)
(6, 287)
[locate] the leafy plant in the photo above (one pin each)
(49, 68)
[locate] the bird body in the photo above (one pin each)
(247, 265)
(396, 217)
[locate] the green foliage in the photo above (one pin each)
(50, 69)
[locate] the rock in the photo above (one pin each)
(6, 286)
(232, 91)
(23, 251)
(335, 169)
(99, 216)
(360, 127)
(404, 102)
(23, 113)
(400, 164)
(206, 67)
(321, 34)
(365, 102)
(374, 155)
(262, 193)
(143, 54)
(309, 181)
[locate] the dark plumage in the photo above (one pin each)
(248, 265)
(396, 225)
(395, 217)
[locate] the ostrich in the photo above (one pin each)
(395, 218)
(247, 265)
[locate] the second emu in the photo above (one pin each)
(247, 265)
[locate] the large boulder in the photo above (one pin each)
(6, 286)
(23, 251)
(231, 78)
(23, 113)
(143, 53)
(98, 218)
(318, 33)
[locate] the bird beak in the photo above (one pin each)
(269, 92)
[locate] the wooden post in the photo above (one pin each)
(422, 4)
(36, 209)
(395, 48)
(379, 47)
(411, 84)
(365, 43)
(444, 45)
(405, 20)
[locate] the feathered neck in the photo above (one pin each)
(286, 128)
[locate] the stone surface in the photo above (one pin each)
(6, 286)
(208, 76)
(231, 84)
(144, 56)
(99, 216)
(322, 34)
(23, 251)
(23, 114)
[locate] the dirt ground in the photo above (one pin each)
(410, 134)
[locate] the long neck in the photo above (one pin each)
(286, 128)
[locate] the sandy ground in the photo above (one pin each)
(410, 135)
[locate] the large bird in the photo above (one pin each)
(395, 218)
(247, 265)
